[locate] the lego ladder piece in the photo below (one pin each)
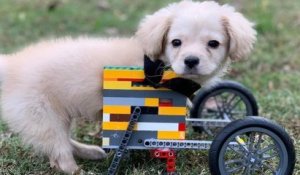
(169, 155)
(124, 142)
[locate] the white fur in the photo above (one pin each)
(48, 84)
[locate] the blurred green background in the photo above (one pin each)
(272, 72)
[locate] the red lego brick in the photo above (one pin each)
(181, 127)
(165, 102)
(167, 154)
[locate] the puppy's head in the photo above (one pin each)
(196, 39)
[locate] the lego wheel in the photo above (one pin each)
(226, 100)
(253, 145)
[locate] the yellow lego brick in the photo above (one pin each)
(114, 125)
(116, 84)
(112, 109)
(134, 74)
(120, 126)
(172, 111)
(169, 75)
(126, 85)
(151, 101)
(170, 135)
(105, 141)
(110, 74)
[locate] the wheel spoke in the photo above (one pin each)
(234, 161)
(236, 151)
(241, 145)
(247, 170)
(223, 99)
(269, 167)
(235, 169)
(251, 141)
(259, 141)
(231, 100)
(268, 157)
(270, 147)
(217, 103)
(235, 104)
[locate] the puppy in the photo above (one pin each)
(46, 85)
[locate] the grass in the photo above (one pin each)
(272, 72)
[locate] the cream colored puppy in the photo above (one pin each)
(46, 85)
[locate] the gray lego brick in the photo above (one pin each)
(128, 147)
(124, 101)
(178, 144)
(185, 144)
(178, 99)
(136, 140)
(161, 119)
(208, 122)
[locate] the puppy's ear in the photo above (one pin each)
(153, 30)
(242, 35)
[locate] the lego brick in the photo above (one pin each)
(141, 126)
(116, 85)
(132, 72)
(124, 101)
(129, 74)
(181, 127)
(133, 101)
(165, 102)
(172, 110)
(177, 99)
(105, 141)
(124, 141)
(127, 85)
(170, 135)
(148, 110)
(151, 126)
(161, 118)
(115, 126)
(119, 117)
(180, 144)
(169, 75)
(151, 101)
(144, 118)
(106, 117)
(136, 140)
(123, 67)
(163, 153)
(208, 122)
(116, 109)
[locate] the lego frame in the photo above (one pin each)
(136, 116)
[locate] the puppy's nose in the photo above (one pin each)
(191, 61)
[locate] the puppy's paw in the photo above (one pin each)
(94, 153)
(69, 167)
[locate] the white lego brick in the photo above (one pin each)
(106, 117)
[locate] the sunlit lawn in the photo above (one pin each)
(272, 72)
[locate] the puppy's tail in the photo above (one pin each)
(2, 67)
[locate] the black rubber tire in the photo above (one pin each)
(225, 85)
(240, 124)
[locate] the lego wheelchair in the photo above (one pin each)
(138, 116)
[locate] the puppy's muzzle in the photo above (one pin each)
(191, 61)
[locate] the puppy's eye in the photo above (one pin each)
(176, 43)
(213, 44)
